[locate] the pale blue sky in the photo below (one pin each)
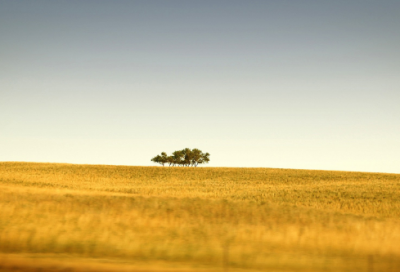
(288, 84)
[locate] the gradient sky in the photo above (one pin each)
(286, 84)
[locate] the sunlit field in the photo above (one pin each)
(62, 217)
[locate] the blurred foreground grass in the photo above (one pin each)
(60, 217)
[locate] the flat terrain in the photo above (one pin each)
(62, 217)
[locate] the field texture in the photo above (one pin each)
(61, 217)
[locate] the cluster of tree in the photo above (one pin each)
(184, 157)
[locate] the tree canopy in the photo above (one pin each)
(185, 157)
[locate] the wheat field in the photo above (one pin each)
(65, 217)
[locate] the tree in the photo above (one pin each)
(188, 156)
(177, 157)
(196, 157)
(205, 158)
(170, 160)
(163, 159)
(185, 157)
(157, 159)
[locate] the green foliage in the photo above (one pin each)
(185, 157)
(163, 159)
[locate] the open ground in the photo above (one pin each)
(64, 217)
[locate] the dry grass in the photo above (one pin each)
(59, 217)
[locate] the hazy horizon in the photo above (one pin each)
(276, 84)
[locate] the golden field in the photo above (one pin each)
(64, 217)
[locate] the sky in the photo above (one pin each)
(280, 84)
